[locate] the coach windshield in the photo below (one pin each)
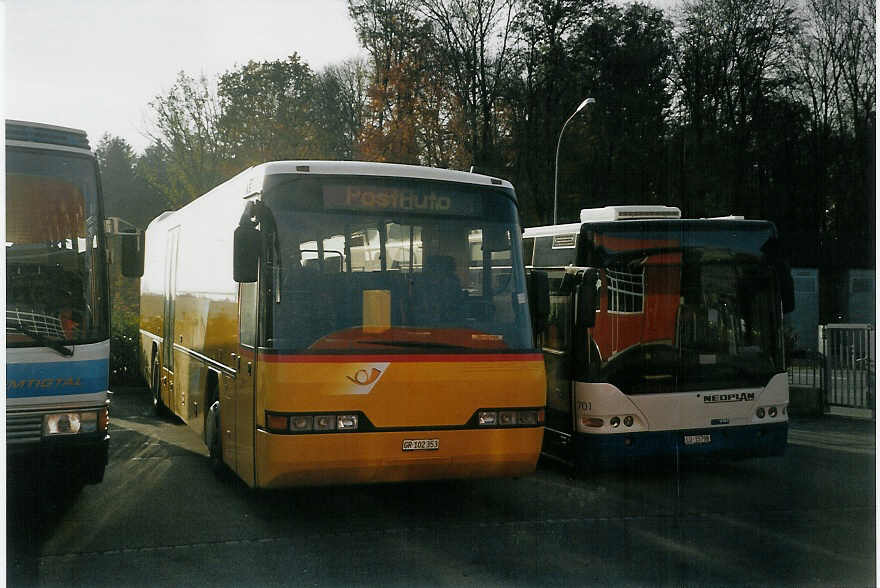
(54, 250)
(686, 306)
(379, 265)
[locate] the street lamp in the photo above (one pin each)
(558, 143)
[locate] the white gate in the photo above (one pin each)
(850, 355)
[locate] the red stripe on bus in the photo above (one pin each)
(425, 358)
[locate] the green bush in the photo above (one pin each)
(124, 329)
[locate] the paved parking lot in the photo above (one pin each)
(161, 518)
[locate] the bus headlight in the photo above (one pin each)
(520, 417)
(325, 422)
(347, 422)
(311, 423)
(301, 422)
(772, 412)
(628, 421)
(506, 418)
(615, 422)
(70, 423)
(760, 412)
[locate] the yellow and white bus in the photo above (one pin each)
(325, 322)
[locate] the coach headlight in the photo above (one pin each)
(772, 412)
(70, 423)
(520, 417)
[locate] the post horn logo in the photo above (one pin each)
(364, 378)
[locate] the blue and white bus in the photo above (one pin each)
(57, 307)
(664, 335)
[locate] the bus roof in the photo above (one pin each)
(619, 214)
(551, 230)
(366, 168)
(33, 132)
(251, 180)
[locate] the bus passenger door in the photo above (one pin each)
(243, 429)
(556, 345)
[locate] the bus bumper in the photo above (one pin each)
(358, 458)
(606, 451)
(81, 456)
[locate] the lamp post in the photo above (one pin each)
(558, 143)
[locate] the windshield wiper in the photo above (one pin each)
(44, 341)
(416, 344)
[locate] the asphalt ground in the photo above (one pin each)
(162, 518)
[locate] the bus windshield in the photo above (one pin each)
(54, 250)
(687, 309)
(373, 265)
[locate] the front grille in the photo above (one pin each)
(23, 428)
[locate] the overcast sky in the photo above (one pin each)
(96, 64)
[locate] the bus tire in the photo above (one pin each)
(156, 388)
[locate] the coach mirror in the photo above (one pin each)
(246, 246)
(538, 287)
(773, 250)
(132, 254)
(496, 238)
(587, 298)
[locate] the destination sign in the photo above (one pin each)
(399, 199)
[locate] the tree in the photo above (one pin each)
(733, 59)
(474, 42)
(265, 112)
(401, 57)
(126, 193)
(339, 108)
(541, 93)
(187, 143)
(625, 58)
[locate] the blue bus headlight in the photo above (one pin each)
(70, 423)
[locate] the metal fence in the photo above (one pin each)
(850, 359)
(806, 369)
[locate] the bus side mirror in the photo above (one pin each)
(538, 286)
(246, 245)
(786, 286)
(496, 238)
(772, 249)
(132, 255)
(587, 298)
